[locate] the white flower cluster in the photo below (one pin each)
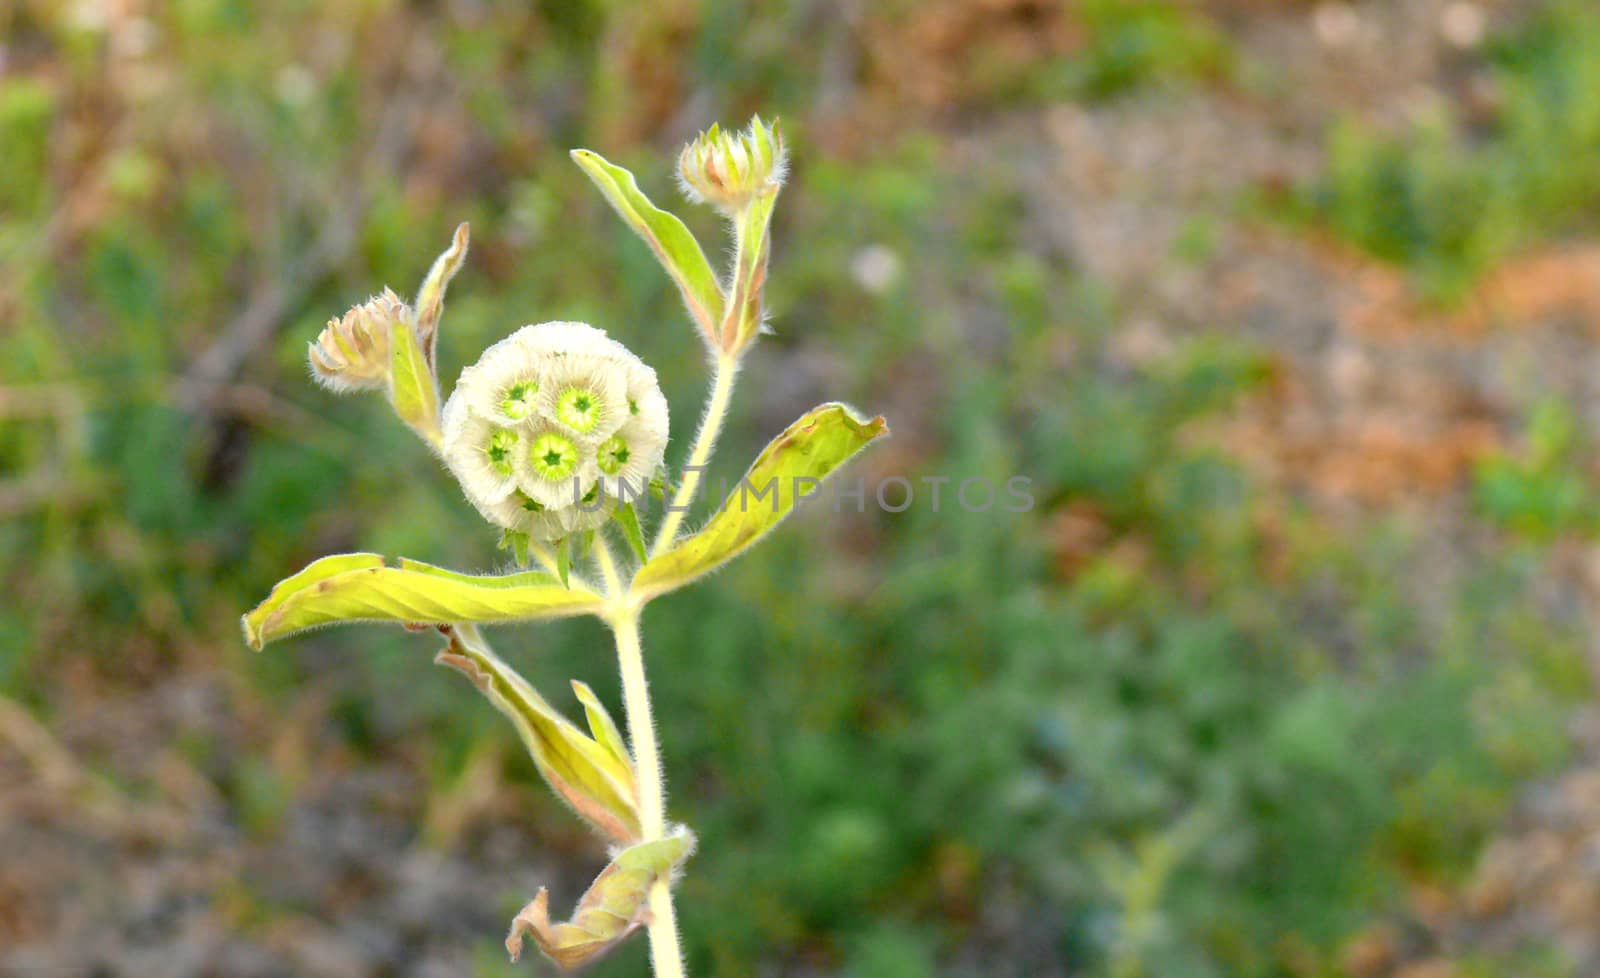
(551, 426)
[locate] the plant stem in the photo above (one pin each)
(665, 955)
(705, 443)
(608, 567)
(542, 554)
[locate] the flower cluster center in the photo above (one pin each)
(553, 428)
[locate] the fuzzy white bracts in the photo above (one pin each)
(352, 353)
(552, 426)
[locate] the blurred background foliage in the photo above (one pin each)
(1190, 715)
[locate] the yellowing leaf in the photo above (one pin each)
(413, 380)
(673, 244)
(611, 909)
(430, 300)
(587, 773)
(358, 587)
(313, 572)
(787, 470)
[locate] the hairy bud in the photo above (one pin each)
(352, 353)
(728, 170)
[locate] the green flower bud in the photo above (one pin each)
(728, 170)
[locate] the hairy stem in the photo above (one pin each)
(542, 554)
(704, 444)
(608, 566)
(665, 954)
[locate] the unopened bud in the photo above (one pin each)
(353, 352)
(728, 170)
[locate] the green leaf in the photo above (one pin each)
(517, 542)
(587, 774)
(601, 725)
(787, 470)
(613, 907)
(564, 561)
(413, 389)
(358, 587)
(674, 246)
(629, 521)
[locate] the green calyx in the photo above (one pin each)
(501, 444)
(553, 457)
(579, 408)
(613, 455)
(518, 401)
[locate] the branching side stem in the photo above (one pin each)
(705, 443)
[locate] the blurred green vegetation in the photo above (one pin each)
(1134, 44)
(1543, 490)
(1458, 189)
(1217, 741)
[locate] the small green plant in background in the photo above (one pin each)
(1543, 490)
(1445, 202)
(557, 435)
(1135, 43)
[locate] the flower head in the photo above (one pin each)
(352, 353)
(552, 427)
(727, 170)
